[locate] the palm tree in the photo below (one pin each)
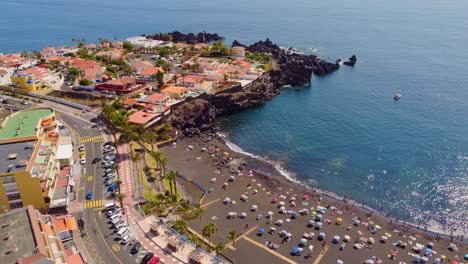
(197, 213)
(156, 156)
(117, 182)
(149, 138)
(183, 209)
(232, 236)
(195, 239)
(120, 197)
(171, 177)
(218, 247)
(180, 225)
(209, 230)
(163, 163)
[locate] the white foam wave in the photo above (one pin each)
(275, 164)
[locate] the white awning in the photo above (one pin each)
(64, 152)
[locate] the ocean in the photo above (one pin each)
(344, 133)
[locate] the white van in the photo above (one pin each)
(114, 216)
(113, 212)
(116, 220)
(108, 206)
(120, 222)
(122, 231)
(126, 238)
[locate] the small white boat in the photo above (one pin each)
(397, 97)
(312, 49)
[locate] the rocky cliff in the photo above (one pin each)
(199, 114)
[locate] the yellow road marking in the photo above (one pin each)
(210, 203)
(91, 139)
(102, 237)
(89, 178)
(229, 245)
(94, 204)
(116, 247)
(269, 250)
(320, 256)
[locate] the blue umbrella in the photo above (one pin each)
(261, 230)
(466, 256)
(428, 250)
(295, 250)
(295, 214)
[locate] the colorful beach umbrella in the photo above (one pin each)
(274, 200)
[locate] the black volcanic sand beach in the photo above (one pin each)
(206, 157)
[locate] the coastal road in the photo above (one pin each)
(99, 239)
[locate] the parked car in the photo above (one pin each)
(110, 157)
(154, 260)
(136, 248)
(126, 238)
(81, 148)
(83, 154)
(147, 258)
(89, 195)
(96, 160)
(82, 161)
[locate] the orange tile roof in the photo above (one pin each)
(75, 259)
(141, 64)
(47, 50)
(174, 89)
(142, 117)
(64, 223)
(122, 81)
(193, 78)
(151, 70)
(57, 58)
(3, 72)
(90, 46)
(129, 102)
(84, 64)
(37, 72)
(117, 44)
(155, 97)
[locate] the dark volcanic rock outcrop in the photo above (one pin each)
(351, 61)
(190, 38)
(199, 114)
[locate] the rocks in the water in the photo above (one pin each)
(351, 61)
(198, 114)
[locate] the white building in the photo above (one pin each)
(5, 76)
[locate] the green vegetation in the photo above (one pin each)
(84, 54)
(74, 73)
(163, 64)
(209, 230)
(218, 49)
(128, 46)
(160, 79)
(85, 82)
(262, 57)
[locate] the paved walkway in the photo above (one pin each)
(126, 173)
(127, 177)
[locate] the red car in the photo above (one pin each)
(154, 260)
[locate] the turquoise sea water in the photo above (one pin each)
(344, 133)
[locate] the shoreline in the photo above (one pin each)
(208, 161)
(287, 177)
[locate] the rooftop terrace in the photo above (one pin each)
(23, 124)
(20, 233)
(15, 156)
